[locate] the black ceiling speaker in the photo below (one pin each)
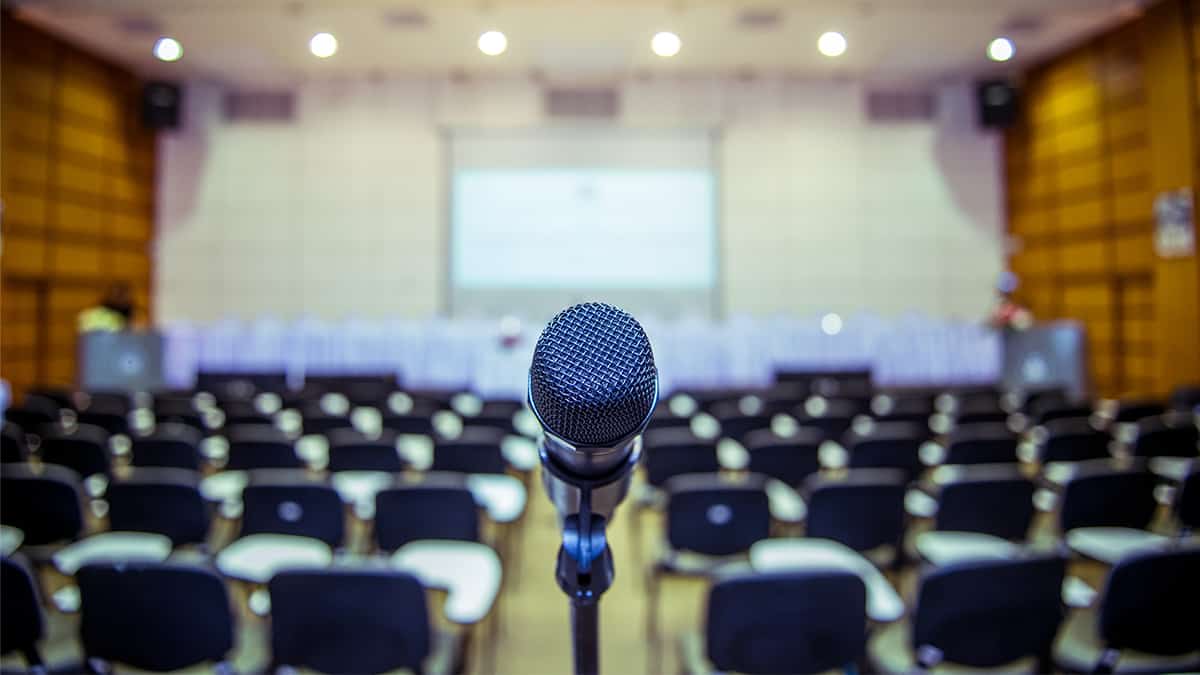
(998, 103)
(161, 104)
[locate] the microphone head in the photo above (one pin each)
(593, 381)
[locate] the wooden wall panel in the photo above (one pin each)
(78, 193)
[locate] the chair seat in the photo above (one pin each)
(919, 504)
(256, 558)
(112, 546)
(10, 539)
(945, 547)
(1078, 648)
(521, 453)
(225, 486)
(889, 650)
(1174, 469)
(883, 603)
(502, 496)
(470, 572)
(784, 502)
(1110, 544)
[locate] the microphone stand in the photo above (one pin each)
(584, 569)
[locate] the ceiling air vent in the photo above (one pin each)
(591, 103)
(260, 106)
(901, 106)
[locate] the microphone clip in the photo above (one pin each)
(585, 564)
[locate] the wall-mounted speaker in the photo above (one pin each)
(998, 103)
(161, 103)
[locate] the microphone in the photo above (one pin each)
(593, 386)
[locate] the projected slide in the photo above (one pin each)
(583, 228)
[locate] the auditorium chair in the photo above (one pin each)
(999, 614)
(1171, 435)
(170, 444)
(475, 450)
(44, 503)
(243, 413)
(1186, 398)
(900, 408)
(833, 417)
(14, 447)
(980, 443)
(114, 402)
(1070, 439)
(82, 448)
(382, 624)
(1104, 511)
(164, 501)
(740, 417)
(226, 385)
(178, 409)
(982, 510)
(350, 450)
(34, 413)
(59, 397)
(887, 445)
(807, 621)
(675, 452)
(22, 624)
(1128, 411)
(1144, 621)
(973, 410)
(260, 446)
(154, 616)
(711, 522)
(278, 502)
(1049, 409)
(437, 506)
(862, 509)
(404, 414)
(112, 423)
(790, 459)
(1187, 501)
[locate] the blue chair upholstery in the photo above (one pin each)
(1108, 498)
(13, 445)
(981, 443)
(160, 500)
(260, 447)
(22, 624)
(45, 504)
(476, 450)
(446, 509)
(350, 451)
(1073, 439)
(171, 444)
(888, 445)
(676, 452)
(789, 459)
(154, 616)
(272, 506)
(863, 509)
(997, 502)
(714, 516)
(83, 449)
(1167, 436)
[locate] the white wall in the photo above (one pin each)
(342, 211)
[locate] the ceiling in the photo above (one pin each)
(265, 42)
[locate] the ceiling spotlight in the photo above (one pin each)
(493, 43)
(832, 43)
(1001, 49)
(168, 49)
(665, 43)
(831, 324)
(323, 45)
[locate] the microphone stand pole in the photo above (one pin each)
(584, 572)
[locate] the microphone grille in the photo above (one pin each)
(593, 379)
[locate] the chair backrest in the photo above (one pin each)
(713, 515)
(789, 459)
(83, 449)
(165, 501)
(115, 402)
(437, 507)
(13, 446)
(1073, 439)
(989, 613)
(888, 445)
(113, 423)
(170, 445)
(178, 409)
(981, 443)
(45, 505)
(1167, 436)
(323, 423)
(863, 509)
(1185, 398)
(154, 616)
(364, 455)
(260, 447)
(301, 509)
(349, 621)
(1001, 505)
(1108, 498)
(21, 622)
(675, 452)
(1149, 600)
(34, 413)
(1187, 500)
(476, 450)
(735, 423)
(1133, 410)
(786, 622)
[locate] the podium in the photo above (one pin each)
(1050, 355)
(121, 361)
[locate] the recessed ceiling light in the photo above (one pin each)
(168, 49)
(493, 43)
(665, 43)
(1001, 49)
(832, 44)
(323, 45)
